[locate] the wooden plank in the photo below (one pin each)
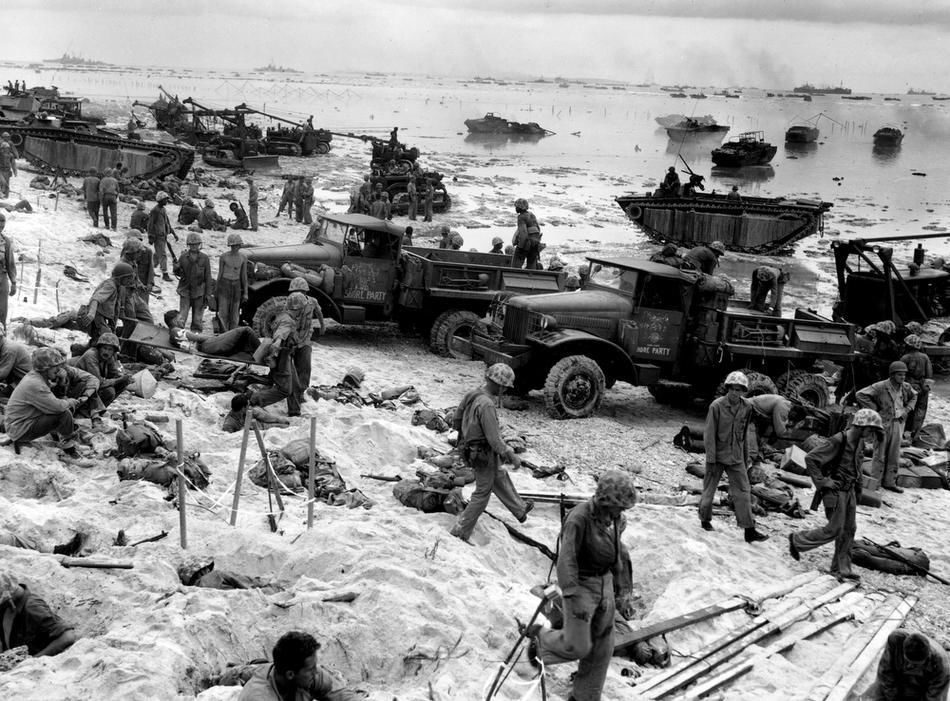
(843, 689)
(99, 563)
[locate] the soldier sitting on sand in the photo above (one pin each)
(31, 621)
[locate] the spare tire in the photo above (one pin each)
(804, 386)
(264, 316)
(449, 326)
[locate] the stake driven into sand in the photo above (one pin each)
(179, 434)
(240, 474)
(310, 469)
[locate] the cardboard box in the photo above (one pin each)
(918, 476)
(871, 484)
(794, 460)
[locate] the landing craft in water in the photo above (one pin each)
(747, 149)
(888, 136)
(492, 124)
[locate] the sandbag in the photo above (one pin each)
(414, 494)
(655, 651)
(776, 496)
(870, 556)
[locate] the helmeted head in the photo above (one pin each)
(109, 340)
(671, 169)
(194, 239)
(296, 301)
(445, 230)
(735, 188)
(737, 379)
(868, 418)
(5, 135)
(913, 341)
(132, 245)
(521, 205)
(615, 489)
(354, 377)
(497, 241)
(501, 374)
(718, 248)
(8, 588)
(209, 203)
(161, 197)
(299, 284)
(233, 206)
(572, 283)
(139, 204)
(916, 650)
(235, 240)
(46, 359)
(193, 569)
(887, 326)
(896, 367)
(122, 270)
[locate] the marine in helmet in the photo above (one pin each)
(912, 666)
(305, 202)
(90, 193)
(497, 245)
(527, 238)
(705, 257)
(292, 349)
(591, 568)
(670, 187)
(240, 221)
(668, 255)
(134, 300)
(765, 293)
(479, 437)
(894, 399)
(920, 373)
(208, 219)
(450, 239)
(231, 286)
(8, 156)
(159, 229)
(727, 451)
(189, 212)
(31, 621)
(194, 282)
(139, 218)
(835, 468)
(101, 360)
(104, 304)
(47, 400)
(15, 362)
(7, 270)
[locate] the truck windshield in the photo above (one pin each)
(326, 229)
(621, 280)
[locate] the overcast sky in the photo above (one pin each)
(869, 45)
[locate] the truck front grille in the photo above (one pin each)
(519, 323)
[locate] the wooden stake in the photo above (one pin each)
(39, 271)
(240, 473)
(271, 475)
(182, 490)
(99, 563)
(311, 467)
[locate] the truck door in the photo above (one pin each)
(652, 335)
(369, 270)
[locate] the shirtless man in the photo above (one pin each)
(231, 288)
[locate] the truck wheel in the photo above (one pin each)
(322, 147)
(263, 321)
(574, 388)
(806, 387)
(451, 325)
(759, 383)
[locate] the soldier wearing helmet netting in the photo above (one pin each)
(527, 238)
(194, 282)
(482, 447)
(894, 399)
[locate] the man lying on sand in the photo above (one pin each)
(28, 620)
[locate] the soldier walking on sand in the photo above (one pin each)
(727, 451)
(894, 399)
(90, 192)
(159, 229)
(252, 202)
(527, 238)
(108, 199)
(7, 270)
(479, 437)
(231, 286)
(413, 194)
(835, 468)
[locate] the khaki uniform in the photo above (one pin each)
(727, 451)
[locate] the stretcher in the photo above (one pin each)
(146, 334)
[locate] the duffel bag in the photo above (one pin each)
(873, 557)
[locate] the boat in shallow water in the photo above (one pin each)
(801, 134)
(747, 149)
(491, 124)
(758, 225)
(888, 136)
(691, 127)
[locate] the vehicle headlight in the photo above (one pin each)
(547, 322)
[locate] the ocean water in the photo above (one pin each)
(606, 142)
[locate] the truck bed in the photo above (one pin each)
(444, 272)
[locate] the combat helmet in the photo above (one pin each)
(209, 203)
(354, 377)
(913, 341)
(296, 301)
(737, 378)
(299, 284)
(868, 418)
(193, 238)
(497, 241)
(122, 270)
(718, 247)
(615, 488)
(235, 240)
(897, 366)
(108, 339)
(501, 374)
(161, 196)
(521, 205)
(46, 358)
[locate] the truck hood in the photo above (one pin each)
(304, 254)
(589, 302)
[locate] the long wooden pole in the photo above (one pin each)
(182, 490)
(311, 466)
(272, 476)
(240, 472)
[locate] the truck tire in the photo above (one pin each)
(759, 383)
(805, 386)
(574, 388)
(263, 321)
(451, 325)
(322, 147)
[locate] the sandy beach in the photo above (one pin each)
(431, 617)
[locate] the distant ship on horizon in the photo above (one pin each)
(67, 59)
(812, 90)
(912, 91)
(271, 68)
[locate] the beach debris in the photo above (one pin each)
(99, 563)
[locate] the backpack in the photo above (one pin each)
(873, 557)
(136, 439)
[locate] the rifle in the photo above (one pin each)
(383, 478)
(171, 251)
(900, 558)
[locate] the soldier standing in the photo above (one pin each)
(108, 199)
(479, 437)
(194, 284)
(920, 373)
(231, 286)
(306, 202)
(430, 199)
(894, 400)
(90, 191)
(413, 193)
(8, 156)
(727, 451)
(527, 239)
(104, 303)
(835, 468)
(287, 198)
(7, 272)
(159, 228)
(134, 304)
(252, 202)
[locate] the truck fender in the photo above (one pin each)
(277, 287)
(613, 360)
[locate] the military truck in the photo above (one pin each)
(651, 324)
(359, 271)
